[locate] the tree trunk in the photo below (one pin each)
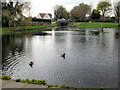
(118, 22)
(118, 25)
(103, 15)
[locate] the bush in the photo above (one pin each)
(36, 81)
(40, 20)
(63, 86)
(106, 20)
(5, 77)
(43, 82)
(23, 81)
(55, 85)
(33, 80)
(28, 81)
(18, 80)
(49, 85)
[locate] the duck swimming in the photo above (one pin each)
(31, 63)
(63, 55)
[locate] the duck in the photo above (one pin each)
(63, 55)
(31, 63)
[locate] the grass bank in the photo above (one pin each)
(26, 29)
(9, 30)
(34, 81)
(44, 83)
(93, 25)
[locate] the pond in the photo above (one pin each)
(91, 58)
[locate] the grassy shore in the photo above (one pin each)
(10, 30)
(44, 83)
(93, 25)
(34, 81)
(25, 29)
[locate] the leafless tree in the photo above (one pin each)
(79, 12)
(104, 7)
(117, 12)
(60, 12)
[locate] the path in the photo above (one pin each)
(13, 84)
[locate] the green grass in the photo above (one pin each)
(11, 30)
(18, 80)
(28, 81)
(64, 86)
(43, 82)
(33, 81)
(25, 27)
(5, 77)
(36, 81)
(23, 81)
(93, 25)
(54, 85)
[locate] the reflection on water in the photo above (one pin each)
(91, 60)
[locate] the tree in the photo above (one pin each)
(75, 13)
(104, 8)
(79, 12)
(13, 12)
(95, 14)
(0, 14)
(60, 12)
(117, 12)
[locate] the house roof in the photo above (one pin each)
(43, 14)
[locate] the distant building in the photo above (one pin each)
(62, 22)
(61, 19)
(44, 16)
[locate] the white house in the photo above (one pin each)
(44, 16)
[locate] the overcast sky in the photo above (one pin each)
(46, 6)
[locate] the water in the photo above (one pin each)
(91, 58)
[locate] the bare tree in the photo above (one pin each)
(79, 12)
(104, 7)
(60, 12)
(117, 12)
(75, 13)
(13, 12)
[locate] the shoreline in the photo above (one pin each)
(29, 83)
(24, 29)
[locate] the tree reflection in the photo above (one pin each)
(11, 45)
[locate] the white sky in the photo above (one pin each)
(46, 6)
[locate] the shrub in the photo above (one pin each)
(5, 77)
(18, 80)
(33, 80)
(28, 81)
(106, 20)
(49, 85)
(63, 86)
(23, 81)
(55, 85)
(36, 81)
(40, 20)
(43, 82)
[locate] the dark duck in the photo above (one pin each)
(63, 55)
(31, 63)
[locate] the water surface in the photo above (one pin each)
(91, 58)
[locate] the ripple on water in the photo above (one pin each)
(91, 60)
